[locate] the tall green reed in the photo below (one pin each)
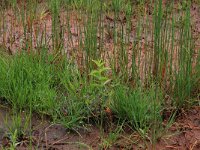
(183, 77)
(56, 25)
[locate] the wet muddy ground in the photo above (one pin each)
(184, 134)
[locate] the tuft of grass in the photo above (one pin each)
(17, 129)
(26, 81)
(83, 99)
(137, 106)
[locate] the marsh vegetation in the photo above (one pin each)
(121, 69)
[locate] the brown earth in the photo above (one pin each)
(184, 134)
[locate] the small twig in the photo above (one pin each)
(45, 133)
(78, 143)
(193, 145)
(58, 141)
(171, 147)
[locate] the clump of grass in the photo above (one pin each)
(84, 99)
(17, 129)
(72, 109)
(37, 82)
(26, 81)
(137, 106)
(32, 82)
